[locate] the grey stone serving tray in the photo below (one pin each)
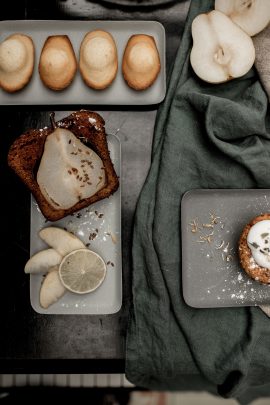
(119, 93)
(211, 272)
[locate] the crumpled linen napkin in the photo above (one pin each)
(262, 62)
(206, 136)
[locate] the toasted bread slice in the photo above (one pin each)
(26, 152)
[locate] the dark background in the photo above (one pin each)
(30, 342)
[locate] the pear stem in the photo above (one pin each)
(52, 118)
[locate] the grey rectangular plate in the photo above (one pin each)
(78, 92)
(211, 273)
(107, 299)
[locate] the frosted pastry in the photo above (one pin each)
(254, 249)
(98, 59)
(141, 62)
(17, 56)
(57, 64)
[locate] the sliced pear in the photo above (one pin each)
(221, 50)
(51, 289)
(69, 171)
(251, 15)
(62, 241)
(42, 261)
(57, 64)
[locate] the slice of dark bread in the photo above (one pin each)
(25, 154)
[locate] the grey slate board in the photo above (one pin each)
(211, 272)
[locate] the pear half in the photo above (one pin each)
(69, 171)
(251, 15)
(221, 50)
(57, 64)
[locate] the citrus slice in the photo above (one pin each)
(82, 271)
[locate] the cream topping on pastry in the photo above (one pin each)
(55, 58)
(12, 55)
(258, 240)
(142, 57)
(98, 53)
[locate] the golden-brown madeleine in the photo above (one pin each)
(141, 62)
(98, 59)
(260, 245)
(17, 57)
(57, 63)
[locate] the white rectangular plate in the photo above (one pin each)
(78, 92)
(105, 240)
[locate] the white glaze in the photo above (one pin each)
(258, 240)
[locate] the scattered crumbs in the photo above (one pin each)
(65, 229)
(194, 226)
(214, 218)
(100, 215)
(92, 236)
(208, 226)
(113, 237)
(229, 258)
(88, 244)
(240, 277)
(96, 230)
(208, 291)
(112, 264)
(79, 215)
(220, 246)
(206, 238)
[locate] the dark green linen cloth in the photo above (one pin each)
(206, 136)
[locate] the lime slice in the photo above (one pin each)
(82, 271)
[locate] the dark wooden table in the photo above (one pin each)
(33, 343)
